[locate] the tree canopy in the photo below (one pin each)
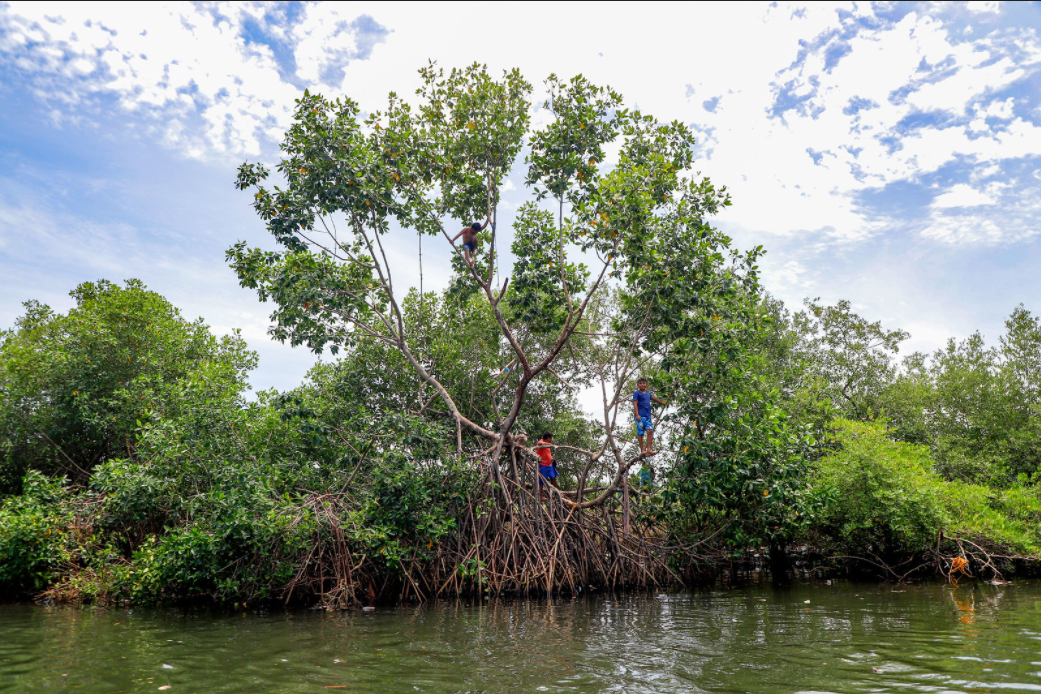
(617, 270)
(76, 387)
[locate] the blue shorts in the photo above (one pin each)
(643, 424)
(547, 472)
(472, 245)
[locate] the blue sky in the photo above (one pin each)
(889, 154)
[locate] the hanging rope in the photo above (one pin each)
(422, 301)
(493, 214)
(495, 239)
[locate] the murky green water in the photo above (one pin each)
(847, 638)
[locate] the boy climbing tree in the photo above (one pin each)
(547, 466)
(469, 235)
(642, 407)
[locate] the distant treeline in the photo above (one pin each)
(135, 467)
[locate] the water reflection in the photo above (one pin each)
(814, 637)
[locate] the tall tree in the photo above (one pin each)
(661, 286)
(75, 388)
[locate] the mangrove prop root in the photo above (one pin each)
(524, 545)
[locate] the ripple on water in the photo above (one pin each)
(930, 638)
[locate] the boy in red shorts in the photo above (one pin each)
(547, 466)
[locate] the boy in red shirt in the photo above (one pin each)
(547, 466)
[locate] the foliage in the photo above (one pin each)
(886, 495)
(540, 267)
(74, 388)
(853, 355)
(33, 534)
(745, 470)
(887, 499)
(985, 414)
(626, 270)
(976, 407)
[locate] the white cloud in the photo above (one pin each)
(191, 66)
(817, 106)
(998, 109)
(960, 217)
(983, 6)
(791, 278)
(849, 135)
(841, 125)
(962, 195)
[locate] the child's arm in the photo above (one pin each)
(636, 408)
(660, 402)
(486, 223)
(452, 240)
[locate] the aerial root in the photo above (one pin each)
(526, 546)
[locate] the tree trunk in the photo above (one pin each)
(779, 564)
(625, 507)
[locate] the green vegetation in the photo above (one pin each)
(890, 500)
(77, 387)
(135, 464)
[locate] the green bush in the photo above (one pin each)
(33, 534)
(887, 498)
(75, 388)
(408, 509)
(248, 554)
(1004, 520)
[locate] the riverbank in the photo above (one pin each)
(446, 538)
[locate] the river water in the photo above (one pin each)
(807, 638)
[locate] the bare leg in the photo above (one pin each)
(642, 449)
(650, 443)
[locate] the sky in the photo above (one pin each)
(884, 153)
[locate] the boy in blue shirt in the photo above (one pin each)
(642, 407)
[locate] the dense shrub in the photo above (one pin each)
(75, 387)
(33, 534)
(887, 498)
(201, 492)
